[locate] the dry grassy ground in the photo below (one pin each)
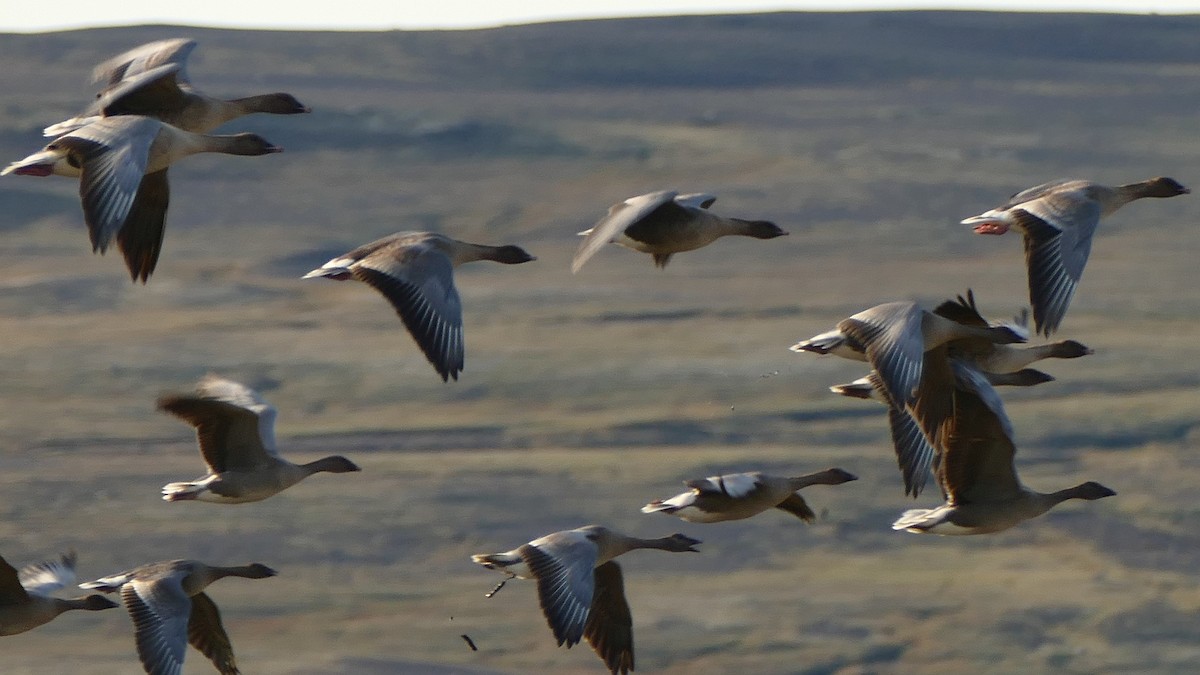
(868, 136)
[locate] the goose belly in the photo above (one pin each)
(669, 240)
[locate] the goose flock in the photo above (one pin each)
(934, 369)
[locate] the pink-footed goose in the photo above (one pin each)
(122, 166)
(741, 495)
(415, 272)
(1001, 364)
(152, 80)
(580, 587)
(893, 338)
(997, 359)
(665, 223)
(976, 470)
(235, 428)
(1058, 220)
(170, 610)
(25, 597)
(915, 456)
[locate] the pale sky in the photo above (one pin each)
(26, 16)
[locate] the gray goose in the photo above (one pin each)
(580, 587)
(170, 610)
(996, 359)
(893, 338)
(741, 495)
(152, 80)
(665, 223)
(25, 597)
(415, 272)
(976, 471)
(1058, 220)
(1002, 364)
(235, 428)
(122, 166)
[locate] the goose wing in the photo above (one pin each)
(697, 200)
(152, 92)
(978, 450)
(563, 565)
(143, 58)
(113, 153)
(48, 576)
(11, 590)
(1038, 191)
(1058, 229)
(795, 505)
(609, 628)
(160, 610)
(418, 280)
(735, 485)
(892, 335)
(619, 217)
(962, 310)
(914, 455)
(140, 238)
(205, 633)
(235, 427)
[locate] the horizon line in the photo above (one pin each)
(418, 27)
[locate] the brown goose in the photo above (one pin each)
(152, 80)
(665, 223)
(25, 600)
(170, 611)
(915, 456)
(122, 165)
(741, 495)
(1058, 220)
(580, 588)
(415, 272)
(236, 431)
(976, 471)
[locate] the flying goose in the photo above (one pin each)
(995, 359)
(25, 600)
(235, 428)
(894, 337)
(741, 495)
(170, 610)
(665, 223)
(915, 457)
(415, 272)
(580, 587)
(1001, 364)
(122, 164)
(976, 471)
(1058, 220)
(152, 80)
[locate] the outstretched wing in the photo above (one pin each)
(160, 611)
(609, 628)
(563, 568)
(895, 346)
(420, 286)
(206, 634)
(619, 217)
(234, 426)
